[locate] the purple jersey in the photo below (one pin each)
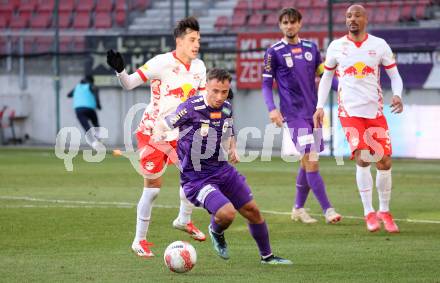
(204, 134)
(294, 68)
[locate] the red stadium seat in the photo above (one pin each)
(121, 17)
(27, 6)
(320, 4)
(44, 43)
(103, 20)
(316, 16)
(46, 6)
(120, 5)
(222, 23)
(81, 20)
(420, 12)
(288, 3)
(66, 6)
(41, 20)
(242, 5)
(64, 19)
(141, 4)
(5, 18)
(273, 5)
(238, 20)
(406, 12)
(65, 43)
(85, 6)
(19, 22)
(104, 6)
(255, 20)
(9, 6)
(271, 20)
(28, 42)
(394, 15)
(79, 43)
(257, 5)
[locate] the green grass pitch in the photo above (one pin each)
(59, 226)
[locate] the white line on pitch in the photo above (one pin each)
(110, 204)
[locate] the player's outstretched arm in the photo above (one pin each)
(128, 82)
(324, 87)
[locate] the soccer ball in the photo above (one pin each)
(180, 256)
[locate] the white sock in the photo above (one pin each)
(186, 208)
(383, 185)
(365, 185)
(144, 212)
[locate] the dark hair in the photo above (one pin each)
(291, 13)
(219, 74)
(89, 79)
(184, 24)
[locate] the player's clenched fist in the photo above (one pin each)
(318, 118)
(115, 60)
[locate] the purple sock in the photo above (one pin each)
(215, 227)
(318, 187)
(302, 188)
(261, 235)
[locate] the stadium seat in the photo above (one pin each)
(103, 20)
(288, 3)
(257, 5)
(28, 42)
(46, 6)
(406, 12)
(255, 20)
(316, 16)
(320, 4)
(27, 6)
(420, 12)
(20, 21)
(221, 23)
(394, 15)
(339, 16)
(5, 18)
(274, 5)
(65, 43)
(64, 19)
(104, 6)
(81, 20)
(120, 5)
(271, 20)
(85, 6)
(380, 13)
(66, 6)
(41, 20)
(238, 20)
(44, 43)
(242, 6)
(9, 6)
(79, 43)
(120, 17)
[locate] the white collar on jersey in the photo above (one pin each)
(286, 43)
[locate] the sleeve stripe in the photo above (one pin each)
(267, 75)
(202, 88)
(328, 68)
(143, 77)
(390, 66)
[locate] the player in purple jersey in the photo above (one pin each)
(294, 64)
(205, 144)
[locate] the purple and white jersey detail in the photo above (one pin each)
(204, 136)
(294, 68)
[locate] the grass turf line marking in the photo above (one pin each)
(110, 204)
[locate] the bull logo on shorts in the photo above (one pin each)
(354, 142)
(149, 166)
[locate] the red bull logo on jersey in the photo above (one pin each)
(184, 92)
(359, 70)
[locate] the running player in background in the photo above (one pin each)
(208, 180)
(294, 63)
(357, 58)
(174, 77)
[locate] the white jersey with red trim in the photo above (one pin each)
(172, 82)
(358, 68)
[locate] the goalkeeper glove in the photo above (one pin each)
(115, 60)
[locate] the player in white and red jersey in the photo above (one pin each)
(174, 77)
(357, 58)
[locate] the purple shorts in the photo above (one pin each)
(216, 190)
(302, 135)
